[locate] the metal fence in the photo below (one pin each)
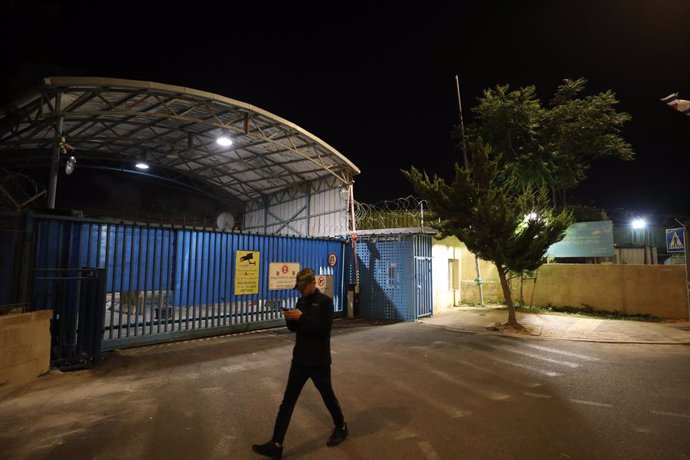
(166, 283)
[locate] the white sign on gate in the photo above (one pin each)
(282, 275)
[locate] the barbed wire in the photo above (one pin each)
(397, 213)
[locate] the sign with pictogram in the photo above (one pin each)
(247, 272)
(675, 240)
(282, 275)
(325, 284)
(332, 259)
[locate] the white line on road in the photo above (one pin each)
(428, 450)
(561, 352)
(542, 358)
(524, 366)
(670, 414)
(536, 395)
(591, 403)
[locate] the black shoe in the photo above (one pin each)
(339, 434)
(269, 450)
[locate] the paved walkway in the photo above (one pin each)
(563, 326)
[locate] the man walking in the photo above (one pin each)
(311, 359)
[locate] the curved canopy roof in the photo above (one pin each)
(112, 123)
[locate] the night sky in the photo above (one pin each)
(377, 81)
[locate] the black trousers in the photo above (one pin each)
(321, 376)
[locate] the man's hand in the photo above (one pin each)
(292, 315)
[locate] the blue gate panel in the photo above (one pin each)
(165, 281)
(394, 276)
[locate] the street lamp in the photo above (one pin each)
(639, 223)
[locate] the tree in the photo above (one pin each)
(551, 145)
(489, 216)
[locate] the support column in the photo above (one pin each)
(55, 160)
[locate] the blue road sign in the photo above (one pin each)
(675, 240)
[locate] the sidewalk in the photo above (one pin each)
(561, 326)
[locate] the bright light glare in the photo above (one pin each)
(531, 216)
(142, 165)
(225, 141)
(639, 223)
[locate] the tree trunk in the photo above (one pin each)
(512, 319)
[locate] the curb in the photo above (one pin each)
(540, 337)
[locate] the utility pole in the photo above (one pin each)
(478, 280)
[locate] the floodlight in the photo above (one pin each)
(224, 141)
(639, 223)
(142, 165)
(70, 165)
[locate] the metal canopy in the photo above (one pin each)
(112, 123)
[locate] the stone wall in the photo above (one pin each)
(24, 346)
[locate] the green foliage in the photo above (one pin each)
(488, 216)
(552, 145)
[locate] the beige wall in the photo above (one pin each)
(24, 346)
(657, 290)
(445, 296)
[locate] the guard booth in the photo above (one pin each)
(394, 271)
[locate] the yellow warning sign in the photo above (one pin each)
(246, 272)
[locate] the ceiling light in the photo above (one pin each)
(224, 141)
(142, 165)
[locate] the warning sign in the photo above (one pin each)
(675, 240)
(325, 284)
(282, 275)
(246, 272)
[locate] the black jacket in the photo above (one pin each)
(313, 343)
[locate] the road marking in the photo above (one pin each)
(428, 450)
(525, 366)
(493, 395)
(536, 395)
(591, 403)
(542, 358)
(561, 352)
(670, 414)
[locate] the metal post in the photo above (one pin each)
(55, 160)
(687, 266)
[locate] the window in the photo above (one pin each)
(453, 274)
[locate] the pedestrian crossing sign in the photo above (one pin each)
(675, 240)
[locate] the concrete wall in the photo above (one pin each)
(24, 346)
(657, 290)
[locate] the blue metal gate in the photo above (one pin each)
(394, 274)
(167, 283)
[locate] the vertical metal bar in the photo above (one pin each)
(198, 262)
(216, 278)
(130, 284)
(106, 264)
(139, 309)
(227, 237)
(156, 309)
(55, 159)
(231, 277)
(207, 278)
(88, 244)
(148, 301)
(188, 266)
(155, 317)
(169, 304)
(114, 281)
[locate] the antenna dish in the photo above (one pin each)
(225, 221)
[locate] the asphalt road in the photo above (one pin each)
(408, 391)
